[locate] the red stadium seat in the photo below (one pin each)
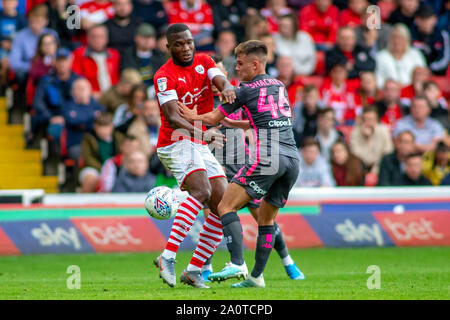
(346, 130)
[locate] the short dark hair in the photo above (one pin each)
(175, 28)
(255, 47)
(420, 97)
(130, 137)
(442, 147)
(370, 108)
(324, 111)
(308, 142)
(414, 155)
(309, 88)
(104, 119)
(428, 84)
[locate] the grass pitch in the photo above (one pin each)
(406, 273)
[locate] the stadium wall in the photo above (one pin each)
(119, 223)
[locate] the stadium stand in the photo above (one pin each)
(217, 26)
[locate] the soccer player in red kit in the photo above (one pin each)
(187, 77)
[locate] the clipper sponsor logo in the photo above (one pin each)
(280, 123)
(257, 188)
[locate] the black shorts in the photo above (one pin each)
(270, 181)
(230, 172)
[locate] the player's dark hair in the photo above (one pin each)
(255, 47)
(175, 28)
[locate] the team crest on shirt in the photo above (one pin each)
(200, 69)
(162, 84)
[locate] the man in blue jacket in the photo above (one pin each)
(433, 42)
(79, 115)
(52, 93)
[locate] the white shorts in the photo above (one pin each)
(184, 157)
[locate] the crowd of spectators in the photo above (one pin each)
(369, 88)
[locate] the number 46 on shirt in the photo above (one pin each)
(271, 105)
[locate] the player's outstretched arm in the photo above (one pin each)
(176, 120)
(227, 93)
(211, 118)
(239, 124)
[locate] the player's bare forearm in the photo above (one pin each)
(210, 118)
(176, 119)
(240, 124)
(226, 89)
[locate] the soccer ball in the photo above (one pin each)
(161, 203)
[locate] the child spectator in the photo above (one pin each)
(286, 74)
(96, 147)
(42, 63)
(112, 166)
(198, 16)
(79, 116)
(52, 94)
(392, 165)
(389, 107)
(144, 56)
(225, 44)
(272, 11)
(427, 131)
(298, 45)
(96, 62)
(337, 94)
(351, 16)
(146, 127)
(135, 176)
(399, 59)
(436, 164)
(314, 169)
(356, 58)
(413, 175)
(305, 114)
(370, 140)
(228, 16)
(431, 41)
(321, 20)
(118, 94)
(367, 93)
(327, 134)
(439, 107)
(10, 20)
(127, 112)
(346, 167)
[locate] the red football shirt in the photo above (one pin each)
(342, 100)
(321, 26)
(198, 18)
(190, 85)
(348, 17)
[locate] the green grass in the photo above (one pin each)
(406, 273)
